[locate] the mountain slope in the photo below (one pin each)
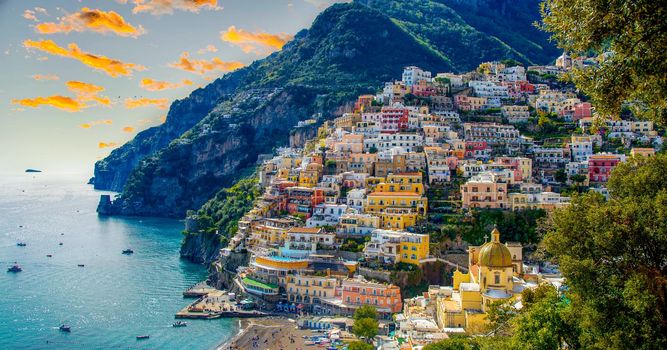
(349, 50)
(468, 32)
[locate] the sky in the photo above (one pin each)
(81, 77)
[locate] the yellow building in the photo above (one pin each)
(491, 278)
(402, 182)
(311, 175)
(376, 202)
(392, 247)
(270, 232)
(398, 218)
(310, 289)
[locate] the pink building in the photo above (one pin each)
(601, 165)
(393, 119)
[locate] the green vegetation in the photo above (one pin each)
(466, 35)
(365, 322)
(631, 41)
(358, 345)
(612, 254)
(223, 211)
(354, 245)
(519, 226)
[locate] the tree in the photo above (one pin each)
(359, 345)
(613, 256)
(631, 41)
(366, 311)
(365, 327)
(546, 323)
(560, 176)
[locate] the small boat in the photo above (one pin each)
(21, 244)
(49, 255)
(180, 324)
(65, 328)
(15, 268)
(128, 251)
(61, 243)
(141, 337)
(81, 265)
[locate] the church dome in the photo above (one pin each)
(495, 254)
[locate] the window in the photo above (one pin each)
(496, 278)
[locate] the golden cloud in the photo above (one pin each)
(106, 144)
(203, 66)
(160, 103)
(93, 20)
(96, 122)
(108, 65)
(57, 101)
(88, 92)
(128, 129)
(160, 7)
(45, 77)
(257, 42)
(155, 85)
(208, 48)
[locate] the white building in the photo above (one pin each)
(413, 75)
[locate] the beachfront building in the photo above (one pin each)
(356, 292)
(275, 269)
(308, 290)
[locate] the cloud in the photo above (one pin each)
(93, 20)
(89, 125)
(155, 85)
(208, 48)
(160, 7)
(160, 103)
(29, 14)
(43, 58)
(203, 66)
(128, 129)
(57, 101)
(88, 92)
(108, 65)
(45, 77)
(41, 10)
(256, 42)
(106, 144)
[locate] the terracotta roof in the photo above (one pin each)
(305, 230)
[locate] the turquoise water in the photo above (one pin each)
(111, 300)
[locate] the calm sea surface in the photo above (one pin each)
(112, 299)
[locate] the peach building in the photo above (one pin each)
(485, 190)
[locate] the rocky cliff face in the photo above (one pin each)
(201, 248)
(111, 172)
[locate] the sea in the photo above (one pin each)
(114, 297)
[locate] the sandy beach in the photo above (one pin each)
(268, 333)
